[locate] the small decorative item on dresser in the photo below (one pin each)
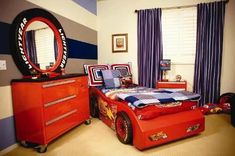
(165, 65)
(178, 78)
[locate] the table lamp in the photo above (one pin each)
(165, 65)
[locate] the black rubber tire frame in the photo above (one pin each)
(14, 32)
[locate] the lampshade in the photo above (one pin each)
(165, 64)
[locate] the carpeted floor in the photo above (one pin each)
(98, 140)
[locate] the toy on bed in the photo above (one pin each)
(141, 116)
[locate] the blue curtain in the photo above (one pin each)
(55, 48)
(149, 46)
(209, 45)
(31, 46)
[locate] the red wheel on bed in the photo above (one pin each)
(123, 128)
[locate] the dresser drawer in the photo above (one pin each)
(83, 80)
(171, 85)
(82, 84)
(83, 106)
(59, 89)
(83, 111)
(61, 124)
(59, 107)
(83, 88)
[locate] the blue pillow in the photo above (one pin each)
(111, 78)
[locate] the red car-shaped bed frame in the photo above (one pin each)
(144, 133)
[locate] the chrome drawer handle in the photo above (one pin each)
(61, 117)
(59, 100)
(57, 83)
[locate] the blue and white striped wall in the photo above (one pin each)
(82, 44)
(90, 5)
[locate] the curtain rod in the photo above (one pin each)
(179, 7)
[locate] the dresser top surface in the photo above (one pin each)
(49, 79)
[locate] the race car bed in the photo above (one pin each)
(143, 116)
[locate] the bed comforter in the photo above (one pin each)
(149, 103)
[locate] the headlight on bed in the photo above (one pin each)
(158, 136)
(192, 128)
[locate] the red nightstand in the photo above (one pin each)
(171, 85)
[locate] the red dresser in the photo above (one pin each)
(46, 108)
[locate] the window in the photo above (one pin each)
(45, 52)
(179, 35)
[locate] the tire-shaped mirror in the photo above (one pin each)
(38, 43)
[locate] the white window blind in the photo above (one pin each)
(179, 35)
(45, 52)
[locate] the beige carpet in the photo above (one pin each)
(98, 140)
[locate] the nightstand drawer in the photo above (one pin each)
(171, 85)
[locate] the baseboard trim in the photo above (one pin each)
(8, 149)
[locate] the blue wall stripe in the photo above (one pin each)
(76, 49)
(7, 132)
(90, 5)
(4, 38)
(81, 50)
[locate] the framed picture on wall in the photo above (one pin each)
(119, 43)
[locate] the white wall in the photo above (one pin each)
(228, 64)
(119, 17)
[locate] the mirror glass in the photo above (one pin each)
(41, 45)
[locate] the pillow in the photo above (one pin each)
(126, 81)
(95, 75)
(123, 68)
(111, 78)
